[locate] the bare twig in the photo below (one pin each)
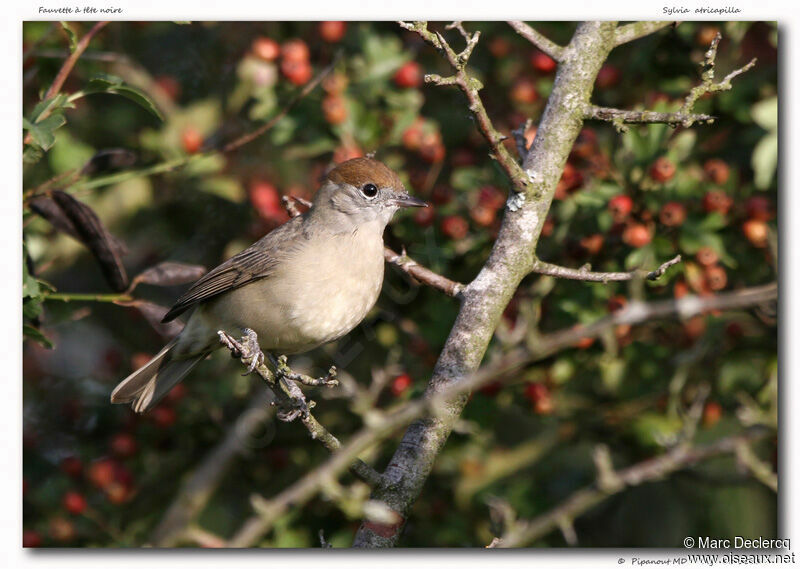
(471, 87)
(437, 404)
(549, 47)
(636, 30)
(679, 458)
(402, 261)
(684, 116)
(585, 274)
(289, 399)
(619, 116)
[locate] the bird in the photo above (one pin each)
(308, 282)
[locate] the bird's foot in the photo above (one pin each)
(246, 350)
(294, 405)
(283, 370)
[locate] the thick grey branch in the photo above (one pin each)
(549, 47)
(584, 274)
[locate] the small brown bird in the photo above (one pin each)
(308, 282)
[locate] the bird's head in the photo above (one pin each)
(361, 191)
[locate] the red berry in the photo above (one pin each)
(592, 244)
(71, 466)
(346, 152)
(616, 303)
(530, 136)
(491, 197)
(31, 538)
(191, 139)
(61, 529)
(431, 149)
(662, 170)
(548, 226)
(332, 32)
(716, 277)
(681, 289)
(117, 493)
(717, 201)
(265, 48)
(170, 86)
(672, 214)
(266, 200)
(542, 62)
(139, 359)
(695, 327)
(712, 413)
(706, 256)
(164, 417)
(717, 171)
(705, 35)
(400, 384)
(539, 395)
(295, 50)
(524, 92)
(620, 207)
(409, 75)
(334, 108)
(412, 136)
(636, 235)
(175, 394)
(482, 215)
(101, 472)
(123, 445)
(759, 207)
(424, 216)
(297, 72)
(335, 83)
(584, 343)
(608, 76)
(74, 503)
(491, 389)
(756, 232)
(455, 227)
(499, 46)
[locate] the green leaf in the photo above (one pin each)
(765, 113)
(43, 131)
(60, 101)
(33, 333)
(106, 83)
(765, 160)
(73, 37)
(680, 146)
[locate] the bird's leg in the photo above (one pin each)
(247, 350)
(283, 370)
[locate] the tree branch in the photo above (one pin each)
(549, 47)
(512, 257)
(636, 30)
(437, 406)
(585, 274)
(470, 86)
(683, 456)
(289, 400)
(619, 116)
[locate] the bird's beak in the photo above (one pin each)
(402, 199)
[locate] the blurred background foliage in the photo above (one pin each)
(167, 96)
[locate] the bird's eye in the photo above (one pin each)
(369, 190)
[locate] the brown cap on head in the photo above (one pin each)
(360, 171)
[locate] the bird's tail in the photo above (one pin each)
(145, 387)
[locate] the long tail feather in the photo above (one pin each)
(145, 387)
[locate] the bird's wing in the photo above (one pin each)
(256, 262)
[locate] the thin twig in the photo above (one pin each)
(636, 30)
(609, 114)
(584, 274)
(471, 87)
(681, 457)
(536, 38)
(290, 401)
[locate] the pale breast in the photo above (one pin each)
(320, 294)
